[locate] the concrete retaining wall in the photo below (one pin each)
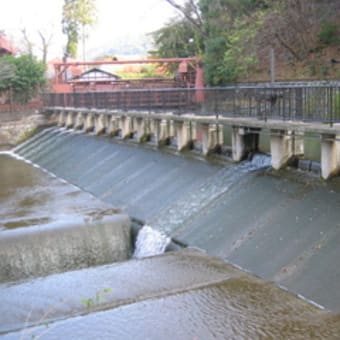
(14, 127)
(43, 250)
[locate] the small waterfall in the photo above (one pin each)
(259, 161)
(150, 242)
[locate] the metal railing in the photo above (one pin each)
(318, 103)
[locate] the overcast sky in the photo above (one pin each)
(117, 19)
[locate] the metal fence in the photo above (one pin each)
(303, 103)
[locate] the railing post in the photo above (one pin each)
(299, 103)
(330, 90)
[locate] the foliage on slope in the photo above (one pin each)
(234, 38)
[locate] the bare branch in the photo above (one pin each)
(27, 41)
(198, 25)
(45, 41)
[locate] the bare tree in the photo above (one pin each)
(191, 12)
(294, 25)
(28, 44)
(45, 44)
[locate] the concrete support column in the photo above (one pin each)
(172, 129)
(164, 131)
(126, 126)
(70, 120)
(89, 122)
(160, 129)
(238, 143)
(183, 134)
(61, 118)
(100, 123)
(141, 129)
(281, 148)
(211, 137)
(79, 121)
(193, 131)
(153, 128)
(330, 160)
(299, 146)
(112, 126)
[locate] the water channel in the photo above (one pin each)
(280, 226)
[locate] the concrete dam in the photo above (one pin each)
(263, 228)
(281, 227)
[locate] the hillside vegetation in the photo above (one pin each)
(235, 38)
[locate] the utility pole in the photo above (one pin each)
(272, 65)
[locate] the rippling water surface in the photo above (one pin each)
(183, 295)
(30, 197)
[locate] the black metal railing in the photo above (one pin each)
(319, 103)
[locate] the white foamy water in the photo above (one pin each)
(175, 216)
(261, 161)
(150, 242)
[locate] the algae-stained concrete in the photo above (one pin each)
(62, 246)
(180, 295)
(15, 127)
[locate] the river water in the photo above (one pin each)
(30, 197)
(177, 295)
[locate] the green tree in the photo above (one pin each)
(24, 75)
(180, 37)
(77, 16)
(176, 39)
(230, 26)
(214, 23)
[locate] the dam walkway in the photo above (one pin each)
(198, 118)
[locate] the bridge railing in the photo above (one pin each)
(303, 103)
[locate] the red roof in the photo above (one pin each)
(5, 46)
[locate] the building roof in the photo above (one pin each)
(6, 46)
(96, 75)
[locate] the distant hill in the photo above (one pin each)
(130, 45)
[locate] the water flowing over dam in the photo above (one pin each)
(283, 226)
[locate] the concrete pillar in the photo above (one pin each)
(238, 143)
(170, 130)
(299, 146)
(183, 134)
(79, 123)
(100, 123)
(330, 160)
(61, 118)
(153, 129)
(220, 134)
(193, 128)
(89, 122)
(112, 125)
(211, 137)
(70, 120)
(126, 126)
(165, 131)
(281, 148)
(141, 129)
(160, 130)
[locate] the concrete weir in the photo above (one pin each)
(63, 246)
(188, 130)
(282, 228)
